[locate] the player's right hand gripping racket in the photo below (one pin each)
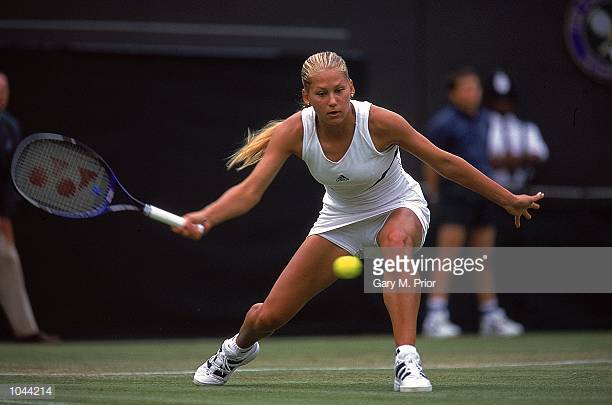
(64, 177)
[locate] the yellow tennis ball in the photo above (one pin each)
(347, 267)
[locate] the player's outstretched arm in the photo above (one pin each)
(242, 197)
(396, 130)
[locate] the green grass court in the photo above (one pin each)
(537, 368)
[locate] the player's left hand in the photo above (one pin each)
(521, 205)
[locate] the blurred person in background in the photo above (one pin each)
(514, 146)
(465, 218)
(13, 295)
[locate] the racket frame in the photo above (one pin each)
(147, 209)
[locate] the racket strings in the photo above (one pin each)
(63, 177)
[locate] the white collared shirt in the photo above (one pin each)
(510, 135)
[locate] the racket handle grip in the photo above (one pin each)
(166, 217)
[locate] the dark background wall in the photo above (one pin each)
(165, 109)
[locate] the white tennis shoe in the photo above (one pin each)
(437, 324)
(409, 374)
(497, 323)
(218, 369)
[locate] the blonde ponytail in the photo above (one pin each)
(254, 147)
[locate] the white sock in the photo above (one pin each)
(406, 348)
(233, 349)
(435, 304)
(489, 306)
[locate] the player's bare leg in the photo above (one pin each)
(307, 273)
(403, 230)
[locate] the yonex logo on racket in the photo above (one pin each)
(65, 186)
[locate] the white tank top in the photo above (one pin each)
(364, 183)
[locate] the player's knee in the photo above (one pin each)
(256, 307)
(395, 238)
(269, 320)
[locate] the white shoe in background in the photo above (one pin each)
(437, 324)
(496, 323)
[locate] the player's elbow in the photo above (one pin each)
(446, 164)
(249, 194)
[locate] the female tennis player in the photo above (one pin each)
(352, 148)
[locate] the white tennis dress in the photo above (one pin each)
(364, 186)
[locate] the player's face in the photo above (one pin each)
(4, 92)
(329, 94)
(467, 94)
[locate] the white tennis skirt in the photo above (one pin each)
(360, 233)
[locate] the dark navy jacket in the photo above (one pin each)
(461, 135)
(464, 136)
(10, 135)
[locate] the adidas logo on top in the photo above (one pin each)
(342, 178)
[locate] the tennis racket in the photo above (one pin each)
(64, 177)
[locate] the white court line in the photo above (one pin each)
(256, 370)
(33, 401)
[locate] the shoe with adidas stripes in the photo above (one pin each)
(218, 369)
(409, 375)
